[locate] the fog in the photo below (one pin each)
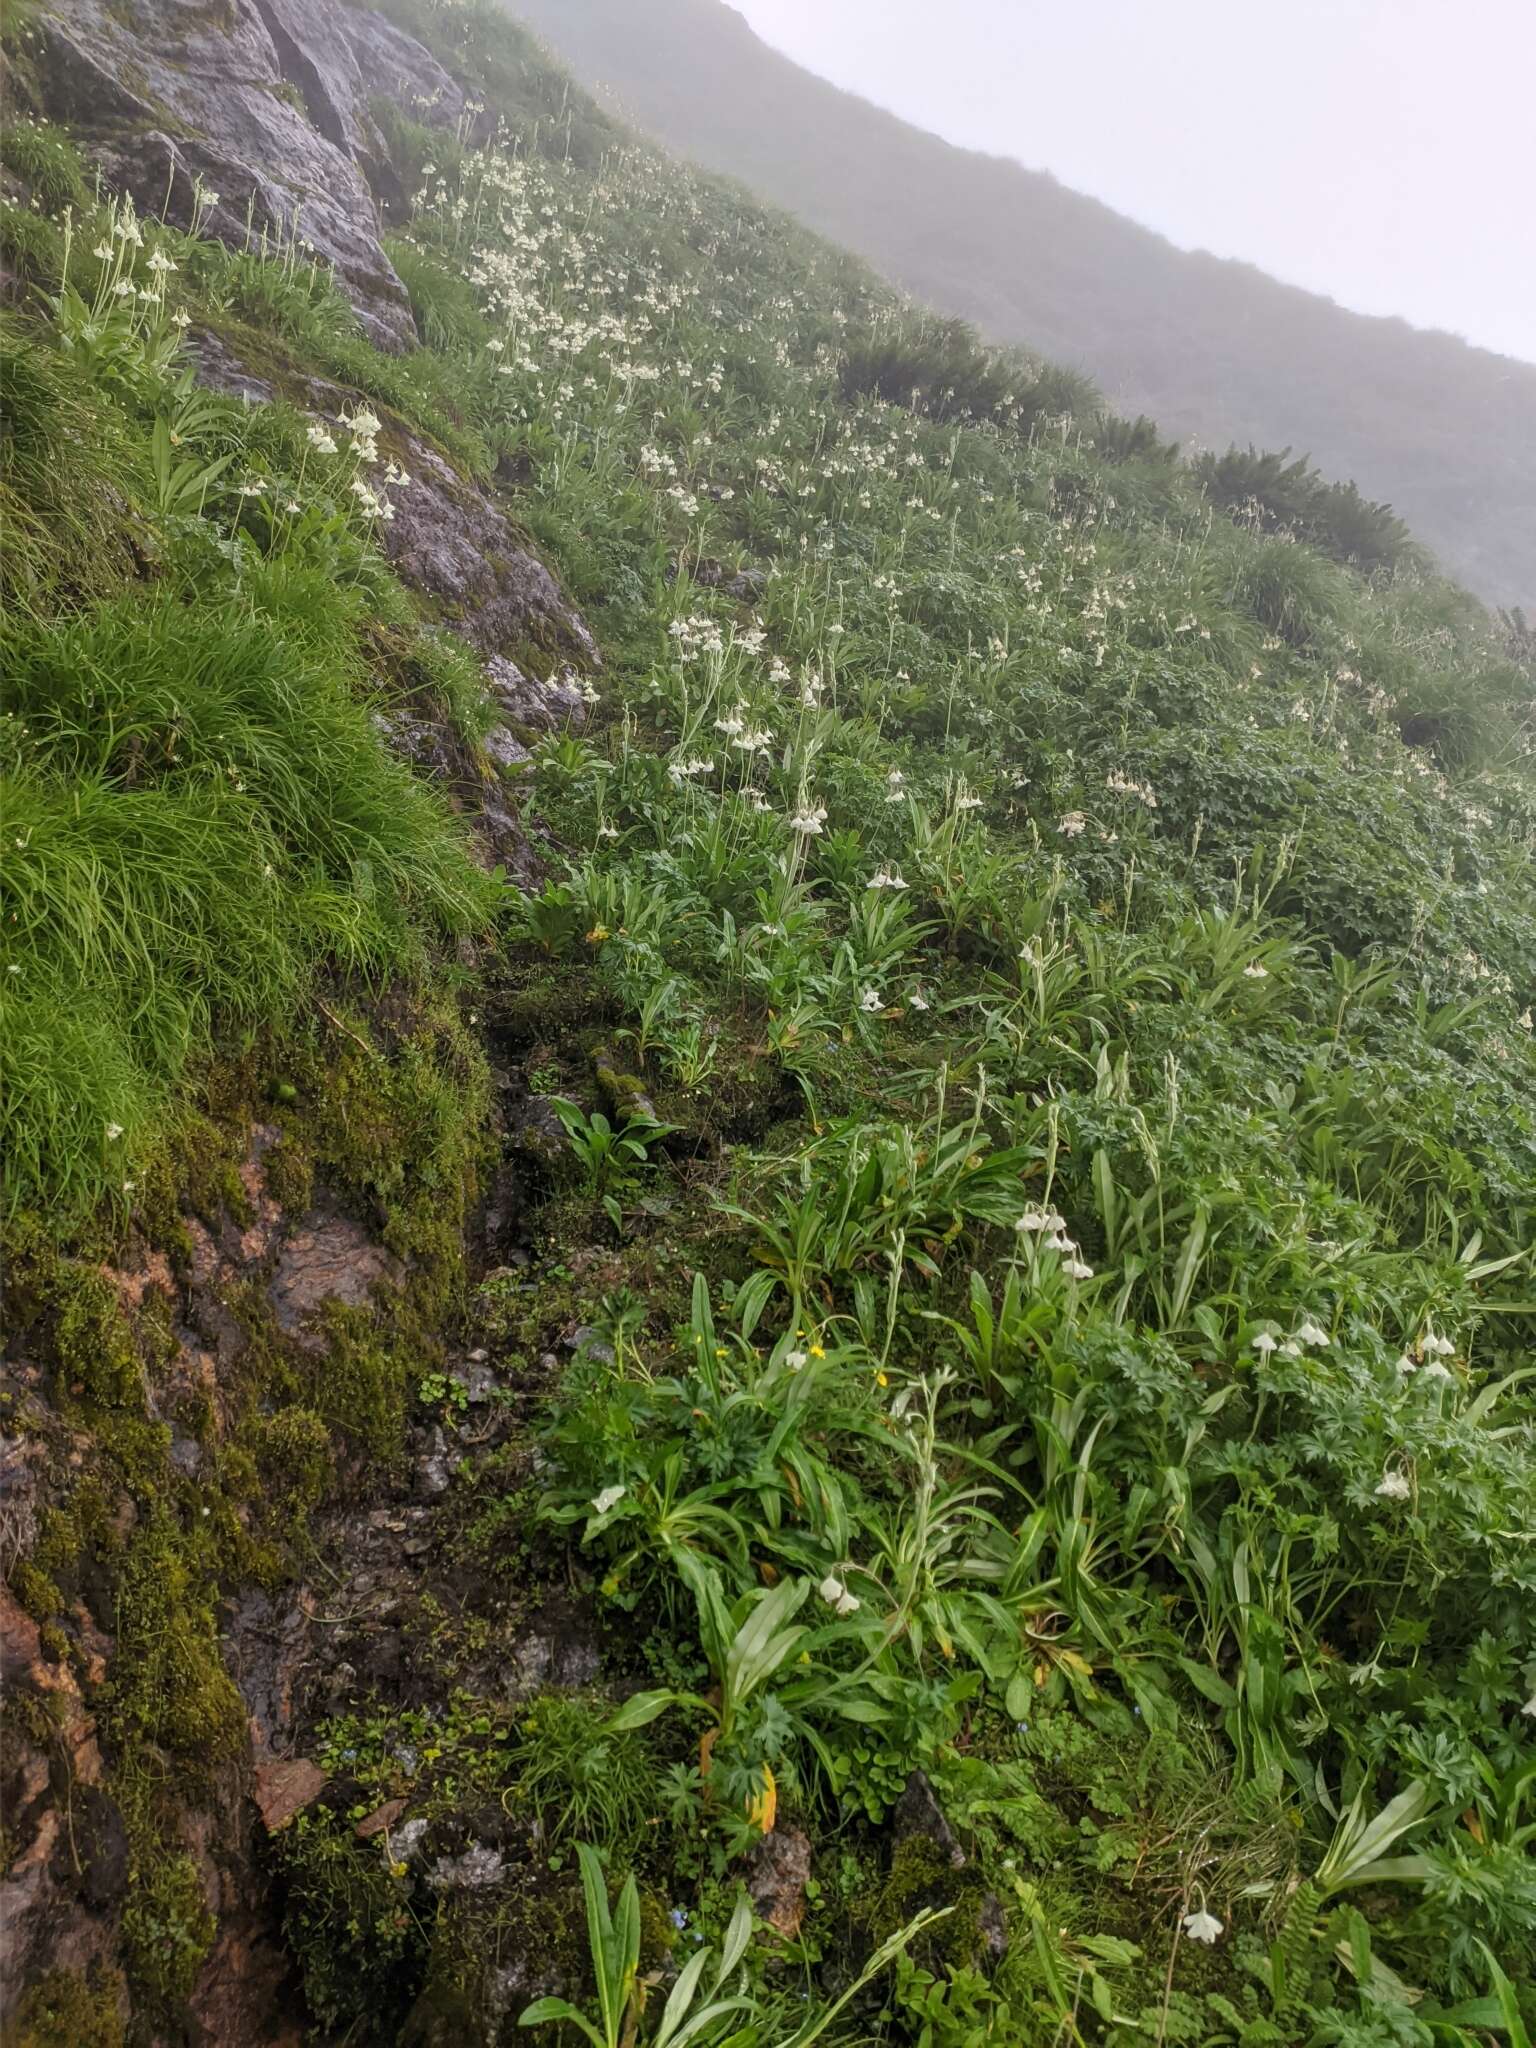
(1381, 151)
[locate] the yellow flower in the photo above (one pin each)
(598, 933)
(763, 1810)
(817, 1352)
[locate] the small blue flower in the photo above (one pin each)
(678, 1918)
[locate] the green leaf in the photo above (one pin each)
(1205, 1680)
(543, 2010)
(644, 1707)
(752, 1297)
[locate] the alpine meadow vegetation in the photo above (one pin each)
(1028, 1292)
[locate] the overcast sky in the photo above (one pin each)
(1381, 151)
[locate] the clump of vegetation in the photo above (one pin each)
(44, 158)
(201, 811)
(1277, 495)
(65, 2010)
(1076, 1389)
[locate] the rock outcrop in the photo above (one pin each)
(450, 541)
(263, 104)
(156, 1757)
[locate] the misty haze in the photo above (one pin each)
(1216, 352)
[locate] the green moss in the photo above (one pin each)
(71, 1313)
(71, 1529)
(626, 1094)
(922, 1877)
(361, 1385)
(167, 1930)
(168, 1685)
(290, 1175)
(544, 1922)
(34, 1590)
(292, 1458)
(31, 1717)
(63, 2010)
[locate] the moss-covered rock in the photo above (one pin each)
(65, 2010)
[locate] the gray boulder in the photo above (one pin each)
(265, 102)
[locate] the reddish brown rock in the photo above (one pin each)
(151, 1276)
(382, 1817)
(778, 1870)
(282, 1790)
(328, 1258)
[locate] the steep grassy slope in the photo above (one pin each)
(1216, 351)
(1011, 1331)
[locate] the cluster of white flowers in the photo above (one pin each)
(887, 878)
(363, 426)
(691, 769)
(373, 502)
(1050, 1226)
(1072, 825)
(1433, 1350)
(1266, 1343)
(1124, 785)
(747, 738)
(837, 1596)
(697, 635)
(808, 820)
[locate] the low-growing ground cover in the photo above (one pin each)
(1033, 985)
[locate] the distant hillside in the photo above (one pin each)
(1215, 350)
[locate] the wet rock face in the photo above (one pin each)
(549, 706)
(266, 103)
(450, 541)
(35, 1903)
(327, 1258)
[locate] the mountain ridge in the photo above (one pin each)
(1213, 347)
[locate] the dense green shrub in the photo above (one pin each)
(937, 366)
(1281, 496)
